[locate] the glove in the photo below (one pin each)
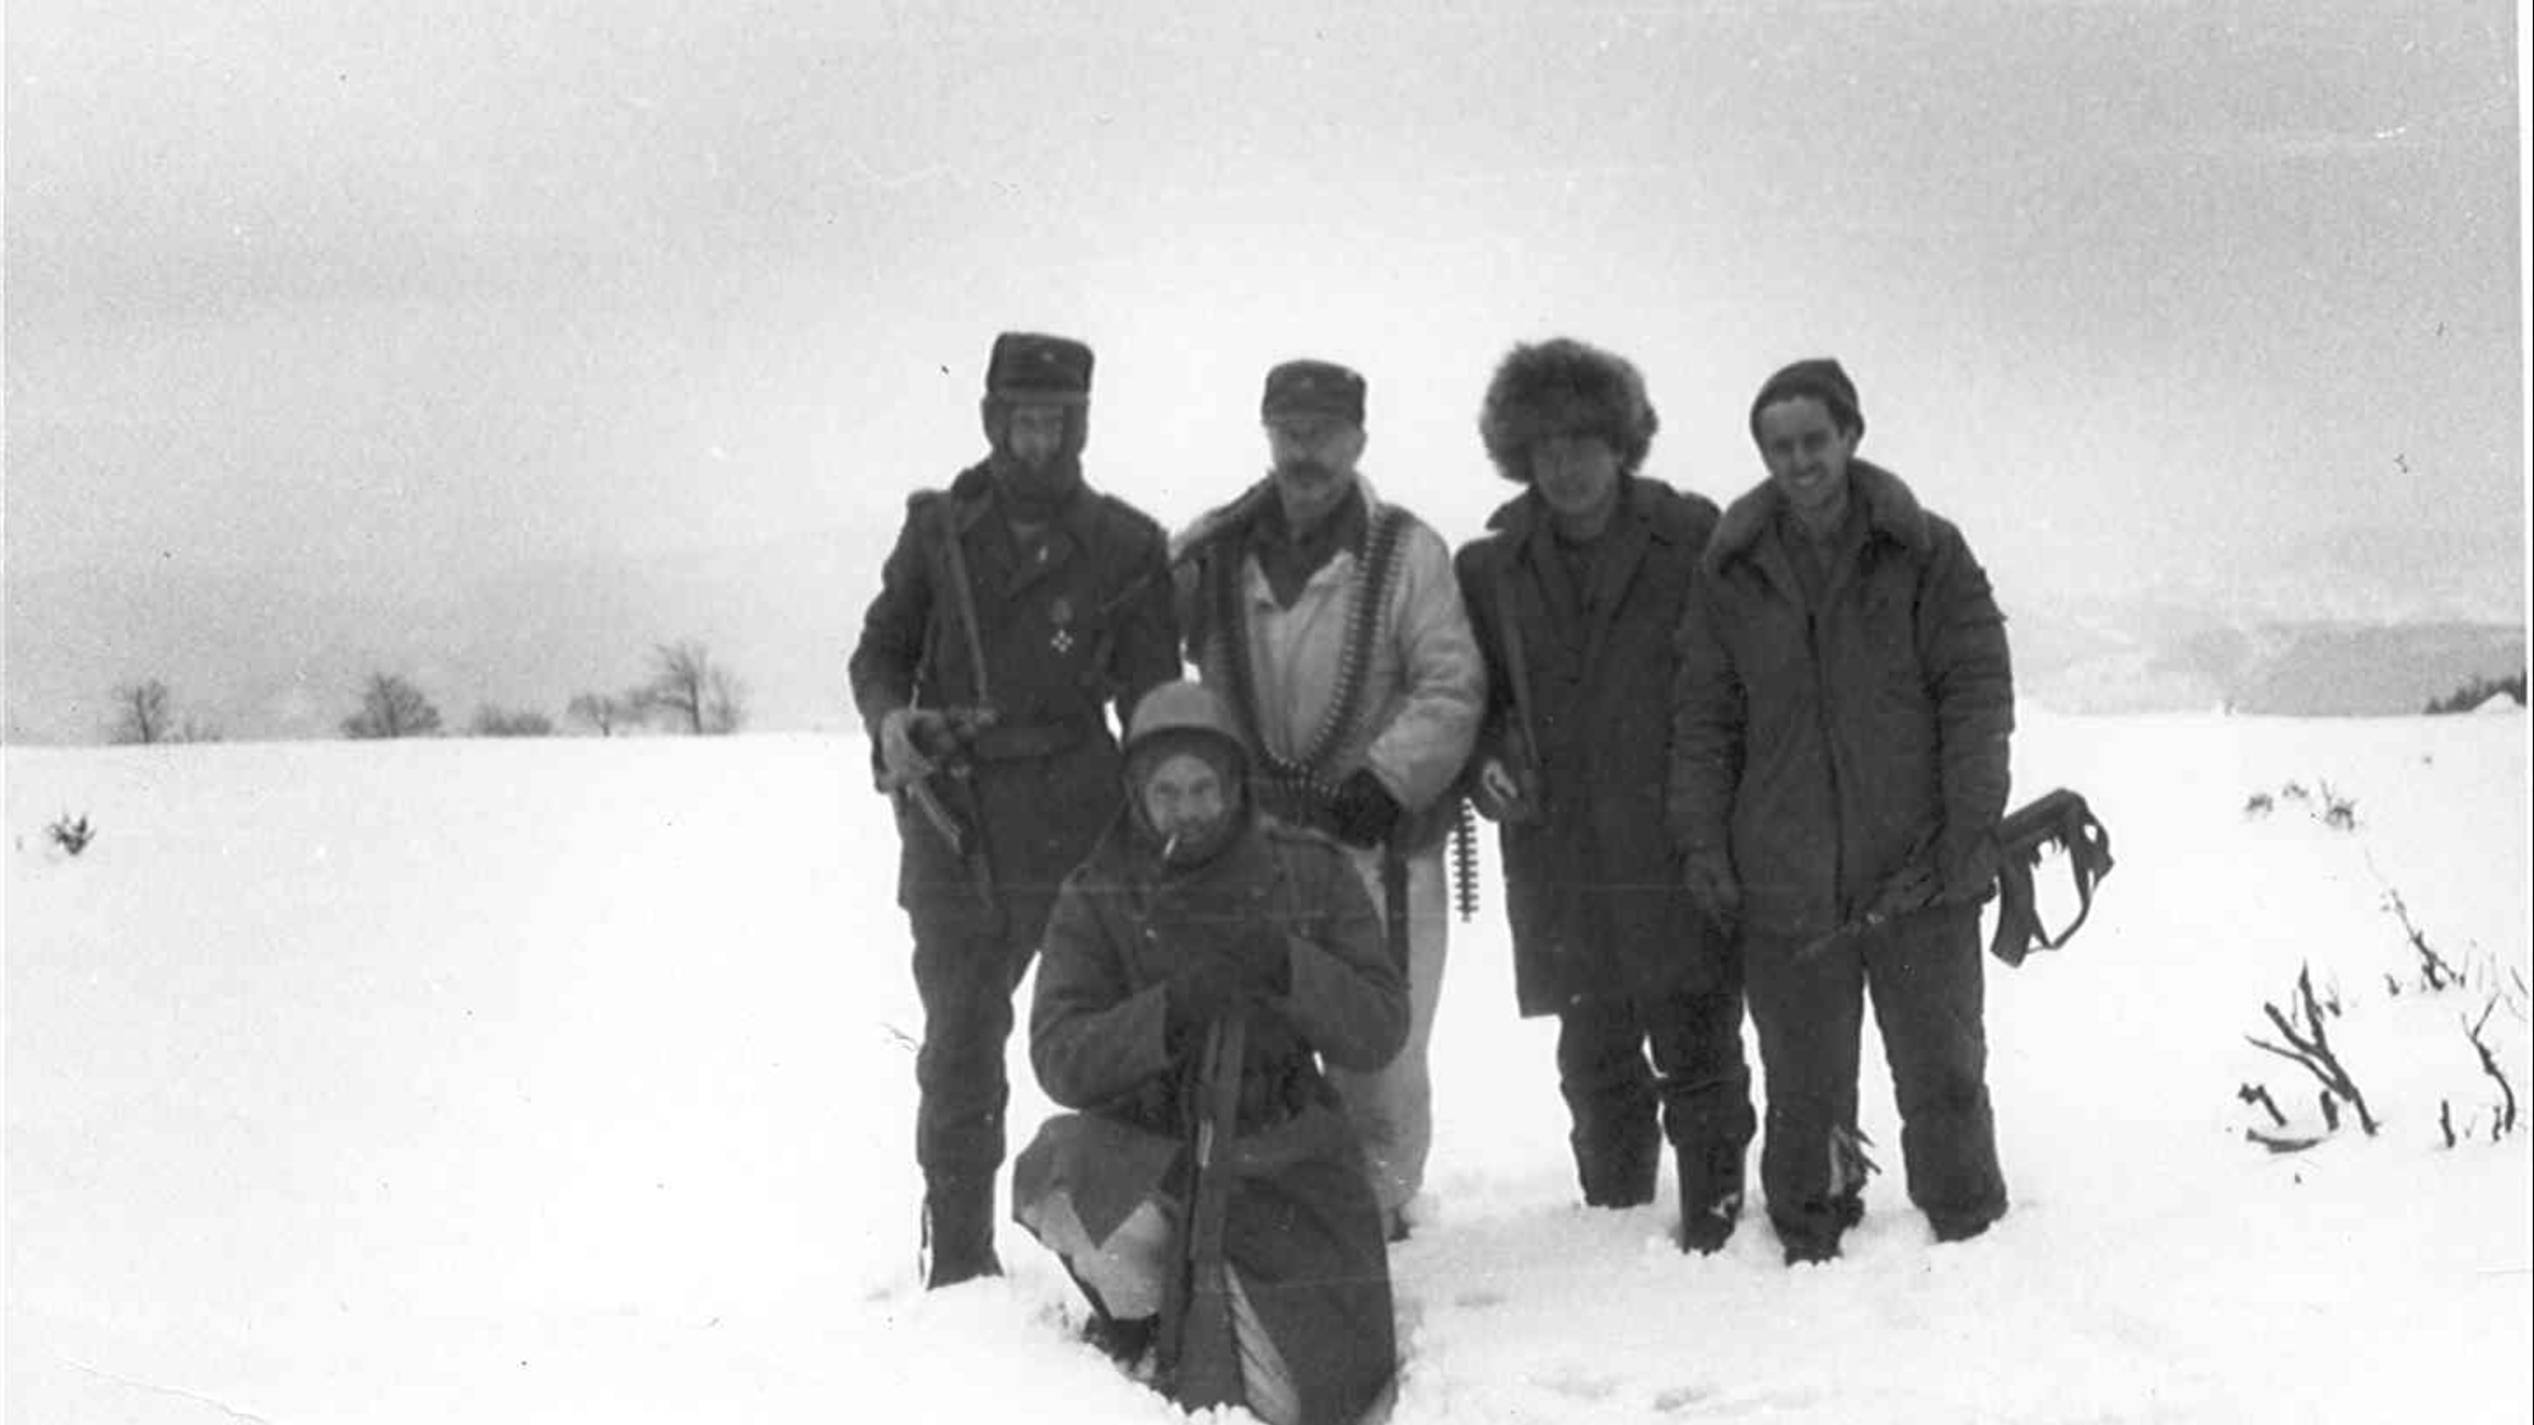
(1206, 987)
(910, 738)
(1915, 886)
(1364, 809)
(1967, 866)
(1500, 795)
(1713, 889)
(1262, 961)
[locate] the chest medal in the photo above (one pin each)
(1060, 613)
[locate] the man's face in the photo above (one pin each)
(1577, 474)
(1035, 433)
(1185, 801)
(1807, 456)
(1314, 463)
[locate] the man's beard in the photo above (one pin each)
(1040, 487)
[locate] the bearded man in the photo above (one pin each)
(1206, 956)
(1018, 610)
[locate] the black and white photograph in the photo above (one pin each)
(1796, 711)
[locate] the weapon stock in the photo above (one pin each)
(2060, 817)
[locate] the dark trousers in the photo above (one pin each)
(1697, 1084)
(1924, 976)
(969, 959)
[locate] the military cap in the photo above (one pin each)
(1028, 366)
(1312, 388)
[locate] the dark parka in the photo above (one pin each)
(1301, 1225)
(1083, 625)
(1594, 890)
(1827, 748)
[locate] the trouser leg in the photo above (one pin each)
(1609, 1093)
(1392, 1107)
(1704, 1083)
(1808, 1015)
(965, 978)
(1925, 976)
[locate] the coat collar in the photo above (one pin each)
(1891, 512)
(972, 495)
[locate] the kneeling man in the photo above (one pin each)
(1199, 969)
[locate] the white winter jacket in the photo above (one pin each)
(1425, 680)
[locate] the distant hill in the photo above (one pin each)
(281, 653)
(2170, 660)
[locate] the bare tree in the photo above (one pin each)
(490, 721)
(693, 692)
(392, 707)
(607, 712)
(145, 712)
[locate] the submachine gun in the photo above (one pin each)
(2057, 818)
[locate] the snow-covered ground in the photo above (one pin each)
(512, 1081)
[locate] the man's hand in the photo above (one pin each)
(1713, 889)
(1501, 796)
(1364, 809)
(1262, 960)
(910, 740)
(1206, 987)
(1967, 865)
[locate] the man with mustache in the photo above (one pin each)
(1018, 609)
(1331, 622)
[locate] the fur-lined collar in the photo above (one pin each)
(1665, 512)
(1890, 510)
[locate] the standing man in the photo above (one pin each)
(1331, 622)
(1576, 592)
(1018, 608)
(1839, 765)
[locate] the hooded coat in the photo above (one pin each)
(1301, 1225)
(1826, 747)
(1593, 890)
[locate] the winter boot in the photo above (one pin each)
(1122, 1341)
(1711, 1195)
(959, 1233)
(1616, 1162)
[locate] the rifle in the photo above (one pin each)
(2058, 817)
(1509, 625)
(966, 722)
(1198, 1312)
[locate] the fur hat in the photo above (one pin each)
(1564, 387)
(1819, 377)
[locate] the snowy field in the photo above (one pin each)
(522, 1081)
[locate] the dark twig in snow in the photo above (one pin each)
(2504, 1122)
(2260, 1094)
(2313, 1049)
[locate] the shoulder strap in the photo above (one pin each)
(963, 599)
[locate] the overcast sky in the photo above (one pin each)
(2140, 293)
